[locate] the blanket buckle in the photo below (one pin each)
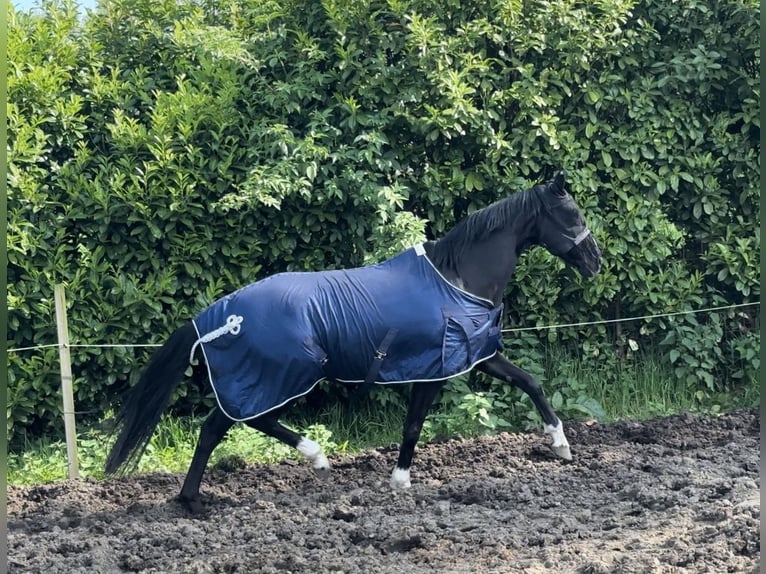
(380, 354)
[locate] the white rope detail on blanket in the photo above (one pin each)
(233, 326)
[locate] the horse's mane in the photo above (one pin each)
(480, 224)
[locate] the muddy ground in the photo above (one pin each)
(679, 494)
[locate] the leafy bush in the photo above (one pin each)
(162, 154)
(695, 351)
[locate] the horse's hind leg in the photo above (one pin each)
(212, 433)
(269, 424)
(421, 398)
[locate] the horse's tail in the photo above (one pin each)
(144, 403)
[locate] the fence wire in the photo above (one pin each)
(627, 319)
(509, 330)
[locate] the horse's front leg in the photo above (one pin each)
(501, 368)
(421, 398)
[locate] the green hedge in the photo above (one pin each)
(163, 153)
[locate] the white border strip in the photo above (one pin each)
(315, 383)
(420, 250)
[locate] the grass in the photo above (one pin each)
(643, 389)
(337, 429)
(639, 389)
(649, 389)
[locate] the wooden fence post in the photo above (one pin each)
(66, 380)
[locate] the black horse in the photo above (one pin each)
(272, 341)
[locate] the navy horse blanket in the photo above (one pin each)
(274, 340)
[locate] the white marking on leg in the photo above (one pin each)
(400, 478)
(557, 434)
(312, 451)
(559, 444)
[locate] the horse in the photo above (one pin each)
(430, 313)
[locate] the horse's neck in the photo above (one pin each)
(485, 268)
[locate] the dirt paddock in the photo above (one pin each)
(678, 494)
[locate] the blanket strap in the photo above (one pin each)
(377, 362)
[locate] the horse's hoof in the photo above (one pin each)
(400, 479)
(321, 464)
(193, 505)
(322, 472)
(562, 452)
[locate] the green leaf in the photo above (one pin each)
(557, 400)
(592, 96)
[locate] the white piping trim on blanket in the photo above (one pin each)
(218, 401)
(210, 378)
(311, 388)
(233, 326)
(421, 380)
(420, 250)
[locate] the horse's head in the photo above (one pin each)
(562, 230)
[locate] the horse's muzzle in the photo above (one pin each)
(586, 257)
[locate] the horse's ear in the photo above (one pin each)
(557, 185)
